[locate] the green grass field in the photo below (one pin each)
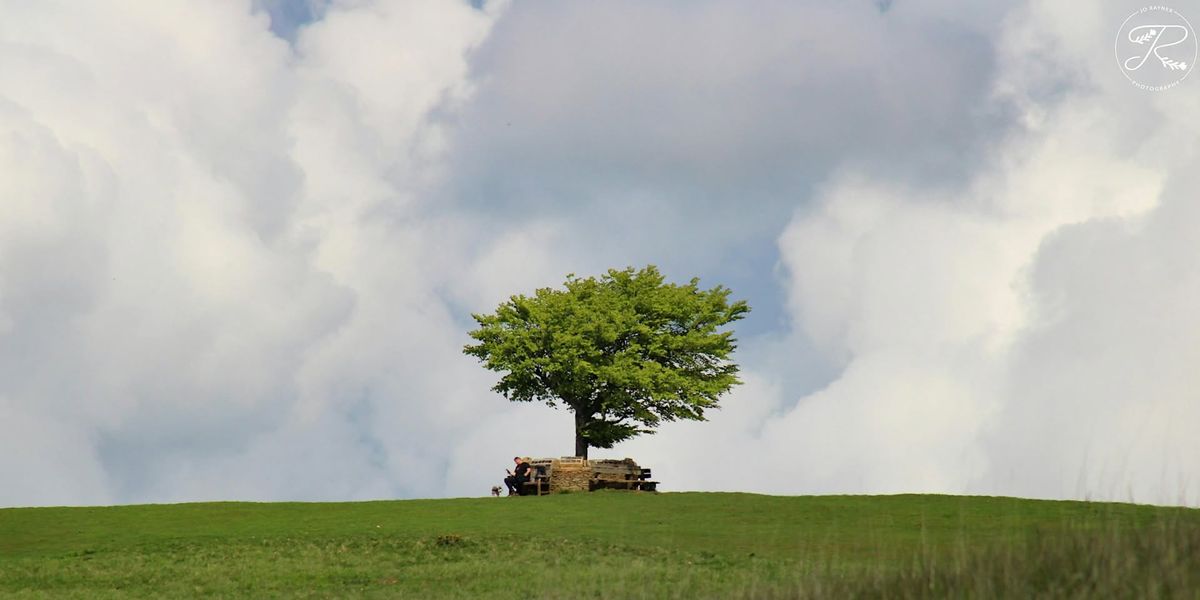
(606, 545)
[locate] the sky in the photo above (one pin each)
(241, 242)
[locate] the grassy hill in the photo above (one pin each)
(605, 545)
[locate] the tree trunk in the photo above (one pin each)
(581, 445)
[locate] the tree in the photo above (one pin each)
(624, 352)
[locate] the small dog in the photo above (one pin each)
(496, 491)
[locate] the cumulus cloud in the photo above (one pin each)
(1030, 332)
(238, 263)
(216, 279)
(682, 133)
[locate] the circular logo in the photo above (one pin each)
(1156, 48)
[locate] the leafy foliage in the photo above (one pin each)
(624, 351)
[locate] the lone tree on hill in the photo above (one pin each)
(624, 351)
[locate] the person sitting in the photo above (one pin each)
(514, 481)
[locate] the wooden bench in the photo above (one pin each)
(641, 483)
(644, 483)
(535, 487)
(538, 483)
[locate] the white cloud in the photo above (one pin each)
(1029, 333)
(51, 461)
(682, 133)
(216, 276)
(237, 267)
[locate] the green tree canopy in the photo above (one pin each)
(624, 351)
